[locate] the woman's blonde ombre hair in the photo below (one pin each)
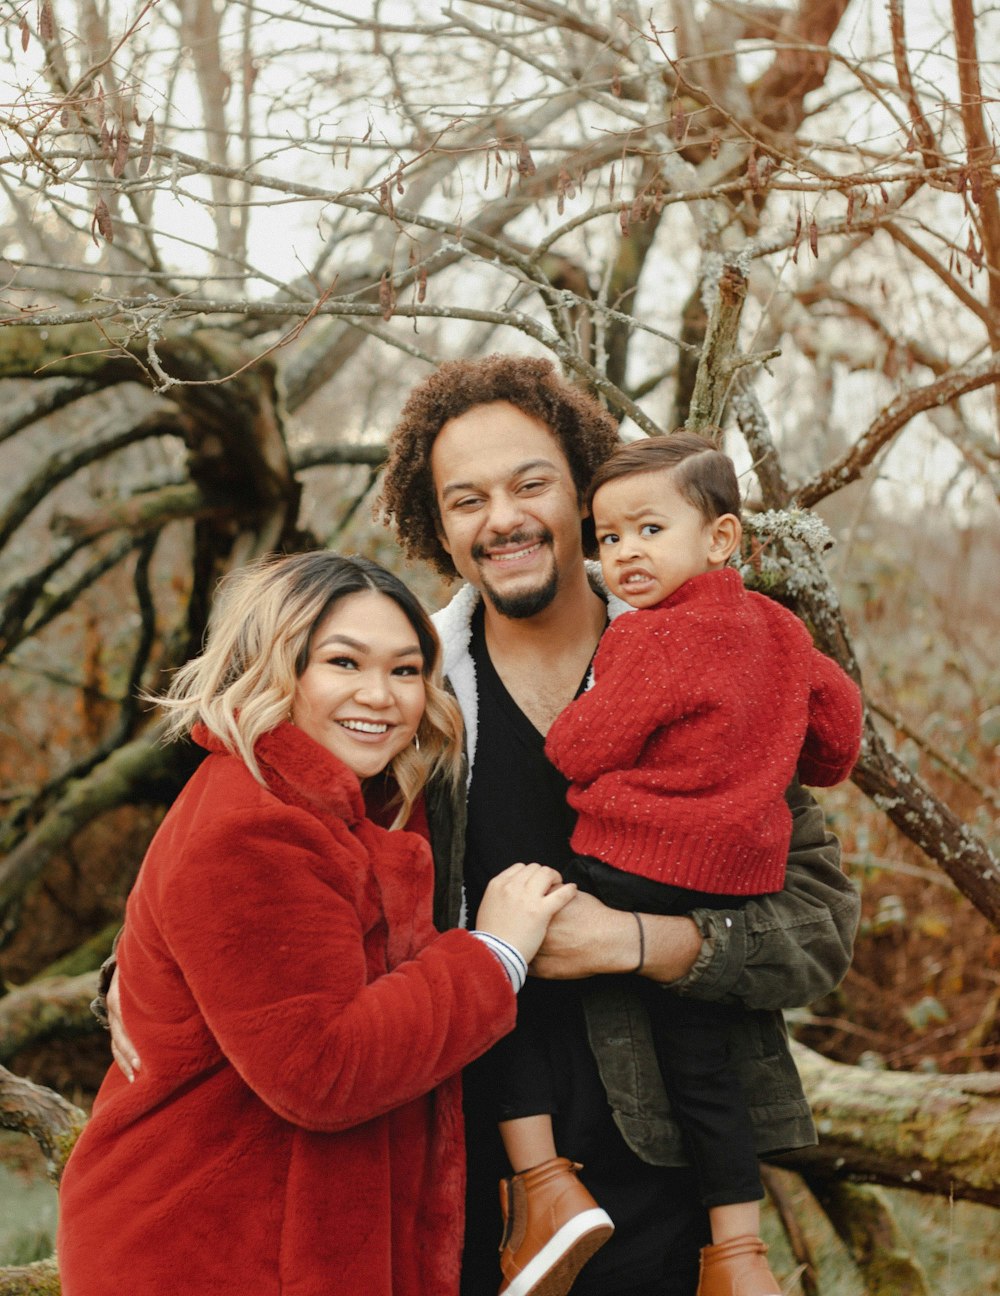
(258, 644)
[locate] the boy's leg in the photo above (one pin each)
(740, 1219)
(520, 1063)
(691, 1040)
(551, 1223)
(528, 1141)
(692, 1048)
(692, 1044)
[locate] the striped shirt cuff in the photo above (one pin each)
(511, 959)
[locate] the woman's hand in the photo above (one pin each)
(520, 903)
(122, 1048)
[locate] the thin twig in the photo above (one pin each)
(935, 752)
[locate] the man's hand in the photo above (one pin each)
(122, 1048)
(586, 938)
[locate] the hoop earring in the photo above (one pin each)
(416, 742)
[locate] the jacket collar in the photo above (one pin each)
(299, 771)
(454, 626)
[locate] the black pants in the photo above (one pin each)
(691, 1039)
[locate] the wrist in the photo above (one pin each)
(510, 959)
(672, 945)
(622, 951)
(641, 933)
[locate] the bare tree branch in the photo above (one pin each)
(891, 420)
(142, 770)
(981, 154)
(51, 1121)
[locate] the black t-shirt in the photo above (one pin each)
(517, 811)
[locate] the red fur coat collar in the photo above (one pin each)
(300, 771)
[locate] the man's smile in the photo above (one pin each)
(513, 549)
(512, 555)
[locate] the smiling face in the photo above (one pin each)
(651, 539)
(509, 509)
(361, 695)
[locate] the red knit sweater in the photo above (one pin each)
(702, 709)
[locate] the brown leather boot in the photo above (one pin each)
(552, 1226)
(737, 1268)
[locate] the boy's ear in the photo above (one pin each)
(727, 531)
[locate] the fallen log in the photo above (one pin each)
(937, 1134)
(57, 1005)
(52, 1122)
(863, 1219)
(934, 1133)
(38, 1279)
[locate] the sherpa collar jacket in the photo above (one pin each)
(779, 951)
(295, 1128)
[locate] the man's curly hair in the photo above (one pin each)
(586, 432)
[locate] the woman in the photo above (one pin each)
(296, 1125)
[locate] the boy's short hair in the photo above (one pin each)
(705, 476)
(584, 429)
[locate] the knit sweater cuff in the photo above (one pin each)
(690, 859)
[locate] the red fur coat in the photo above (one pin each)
(296, 1124)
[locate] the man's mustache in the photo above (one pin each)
(515, 538)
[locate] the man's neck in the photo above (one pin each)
(542, 658)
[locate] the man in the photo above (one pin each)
(488, 466)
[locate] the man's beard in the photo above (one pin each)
(526, 603)
(519, 606)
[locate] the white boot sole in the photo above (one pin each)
(526, 1283)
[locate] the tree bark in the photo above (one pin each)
(800, 64)
(937, 1134)
(142, 770)
(39, 1279)
(864, 1221)
(981, 152)
(56, 1005)
(714, 379)
(52, 1122)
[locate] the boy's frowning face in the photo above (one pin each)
(651, 539)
